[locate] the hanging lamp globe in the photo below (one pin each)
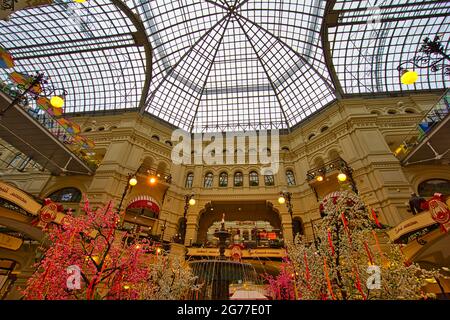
(133, 181)
(57, 102)
(409, 77)
(281, 200)
(342, 177)
(192, 202)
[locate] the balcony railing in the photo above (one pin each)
(425, 126)
(48, 122)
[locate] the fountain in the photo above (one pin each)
(216, 275)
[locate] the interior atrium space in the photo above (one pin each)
(224, 150)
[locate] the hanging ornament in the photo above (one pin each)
(325, 270)
(374, 215)
(330, 242)
(358, 283)
(344, 220)
(369, 255)
(377, 244)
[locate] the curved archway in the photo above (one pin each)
(69, 194)
(259, 219)
(430, 186)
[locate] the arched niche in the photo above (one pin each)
(238, 213)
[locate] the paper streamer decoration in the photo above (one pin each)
(24, 81)
(374, 215)
(330, 242)
(6, 60)
(325, 270)
(44, 104)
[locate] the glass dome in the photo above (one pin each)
(224, 65)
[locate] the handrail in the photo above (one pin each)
(47, 122)
(425, 126)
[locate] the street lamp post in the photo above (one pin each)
(314, 232)
(188, 201)
(39, 81)
(431, 55)
(286, 197)
(163, 229)
(131, 182)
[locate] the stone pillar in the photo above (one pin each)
(178, 250)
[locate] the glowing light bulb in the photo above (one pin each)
(133, 181)
(57, 102)
(281, 200)
(319, 178)
(409, 77)
(192, 202)
(342, 177)
(152, 180)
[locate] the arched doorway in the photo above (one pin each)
(142, 214)
(252, 223)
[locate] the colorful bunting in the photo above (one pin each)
(69, 126)
(6, 60)
(84, 142)
(44, 104)
(24, 81)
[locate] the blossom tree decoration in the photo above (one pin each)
(349, 261)
(281, 287)
(111, 263)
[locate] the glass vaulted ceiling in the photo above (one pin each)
(226, 64)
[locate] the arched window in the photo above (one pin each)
(410, 110)
(429, 187)
(269, 180)
(223, 179)
(66, 195)
(208, 183)
(290, 178)
(253, 179)
(238, 179)
(189, 180)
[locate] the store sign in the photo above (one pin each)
(414, 223)
(19, 198)
(245, 253)
(10, 242)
